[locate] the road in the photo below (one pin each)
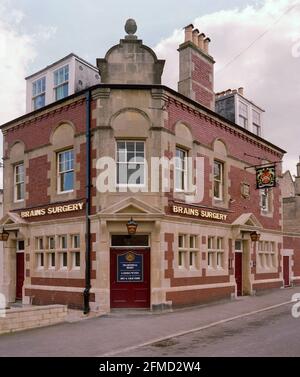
(271, 333)
(268, 333)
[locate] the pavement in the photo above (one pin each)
(126, 332)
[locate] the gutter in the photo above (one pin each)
(86, 292)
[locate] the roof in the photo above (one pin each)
(221, 97)
(147, 87)
(60, 61)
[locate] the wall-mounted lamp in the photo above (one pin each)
(255, 236)
(4, 235)
(131, 226)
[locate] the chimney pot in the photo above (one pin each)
(228, 91)
(188, 33)
(201, 41)
(241, 91)
(206, 43)
(195, 36)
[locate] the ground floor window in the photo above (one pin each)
(58, 252)
(267, 256)
(215, 252)
(188, 251)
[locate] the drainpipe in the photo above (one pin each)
(86, 293)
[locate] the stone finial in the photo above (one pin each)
(130, 28)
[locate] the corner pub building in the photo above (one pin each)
(68, 243)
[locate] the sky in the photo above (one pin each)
(256, 45)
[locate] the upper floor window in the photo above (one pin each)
(130, 163)
(180, 169)
(256, 122)
(243, 115)
(266, 200)
(19, 182)
(38, 93)
(218, 180)
(61, 82)
(65, 171)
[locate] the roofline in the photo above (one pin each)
(59, 61)
(147, 87)
(243, 97)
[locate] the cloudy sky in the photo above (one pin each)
(256, 44)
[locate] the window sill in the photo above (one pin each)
(64, 192)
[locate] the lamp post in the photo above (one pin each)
(131, 226)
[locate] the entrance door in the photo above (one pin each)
(286, 270)
(20, 275)
(238, 269)
(130, 278)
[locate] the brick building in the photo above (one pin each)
(71, 240)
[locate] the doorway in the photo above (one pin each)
(20, 269)
(129, 272)
(286, 270)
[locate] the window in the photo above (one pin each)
(243, 115)
(130, 163)
(76, 260)
(210, 252)
(256, 122)
(40, 260)
(266, 200)
(51, 243)
(215, 252)
(38, 93)
(19, 182)
(267, 255)
(61, 83)
(63, 260)
(66, 171)
(218, 180)
(63, 242)
(188, 251)
(180, 170)
(181, 255)
(75, 241)
(51, 260)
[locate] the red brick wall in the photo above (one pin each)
(38, 181)
(202, 74)
(44, 297)
(42, 126)
(266, 286)
(199, 296)
(58, 282)
(206, 129)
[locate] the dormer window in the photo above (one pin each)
(61, 83)
(256, 122)
(243, 115)
(38, 93)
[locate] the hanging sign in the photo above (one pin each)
(265, 177)
(130, 267)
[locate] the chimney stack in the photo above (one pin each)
(196, 68)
